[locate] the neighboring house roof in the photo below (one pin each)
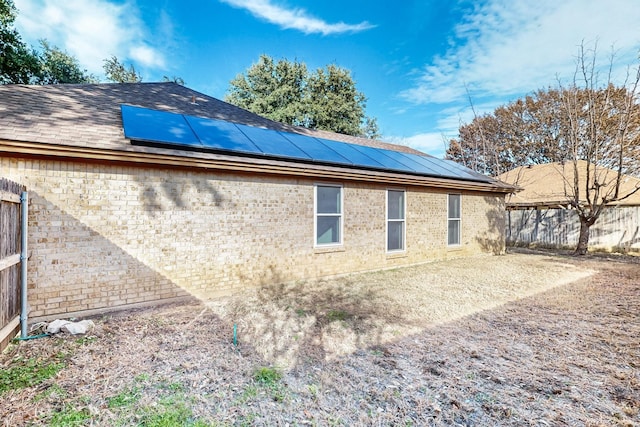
(84, 121)
(551, 185)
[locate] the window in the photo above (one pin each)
(454, 219)
(328, 215)
(395, 220)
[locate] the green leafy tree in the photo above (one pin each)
(57, 67)
(18, 63)
(370, 129)
(174, 79)
(285, 91)
(273, 90)
(334, 102)
(21, 64)
(117, 72)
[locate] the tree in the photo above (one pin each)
(334, 103)
(370, 129)
(117, 72)
(273, 90)
(18, 63)
(604, 131)
(526, 131)
(593, 127)
(57, 66)
(285, 91)
(174, 79)
(50, 65)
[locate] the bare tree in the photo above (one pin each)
(590, 127)
(602, 135)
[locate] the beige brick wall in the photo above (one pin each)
(105, 236)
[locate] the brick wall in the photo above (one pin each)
(105, 236)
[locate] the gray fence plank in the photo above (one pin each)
(618, 228)
(10, 246)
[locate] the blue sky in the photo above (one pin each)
(418, 61)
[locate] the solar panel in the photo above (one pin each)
(153, 126)
(143, 124)
(465, 172)
(315, 149)
(437, 168)
(271, 142)
(380, 156)
(221, 135)
(348, 151)
(413, 161)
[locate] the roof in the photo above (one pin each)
(85, 121)
(42, 113)
(550, 185)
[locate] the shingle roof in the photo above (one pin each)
(89, 114)
(549, 185)
(85, 122)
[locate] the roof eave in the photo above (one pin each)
(559, 205)
(185, 159)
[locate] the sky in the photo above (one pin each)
(422, 64)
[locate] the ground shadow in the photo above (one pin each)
(290, 324)
(318, 319)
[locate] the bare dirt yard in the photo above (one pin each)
(524, 339)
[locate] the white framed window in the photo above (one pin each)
(454, 215)
(328, 214)
(395, 220)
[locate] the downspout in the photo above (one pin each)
(24, 306)
(24, 201)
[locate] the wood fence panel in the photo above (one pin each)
(9, 298)
(618, 228)
(10, 247)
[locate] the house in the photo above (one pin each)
(150, 192)
(540, 214)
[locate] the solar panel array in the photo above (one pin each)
(189, 132)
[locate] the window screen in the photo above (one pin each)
(395, 220)
(454, 216)
(328, 215)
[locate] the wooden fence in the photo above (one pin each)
(10, 248)
(618, 228)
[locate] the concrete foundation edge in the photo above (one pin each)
(115, 309)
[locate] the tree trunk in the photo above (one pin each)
(583, 240)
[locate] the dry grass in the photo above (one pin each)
(332, 318)
(523, 339)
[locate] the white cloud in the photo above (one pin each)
(147, 56)
(297, 19)
(450, 119)
(431, 142)
(91, 30)
(506, 48)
